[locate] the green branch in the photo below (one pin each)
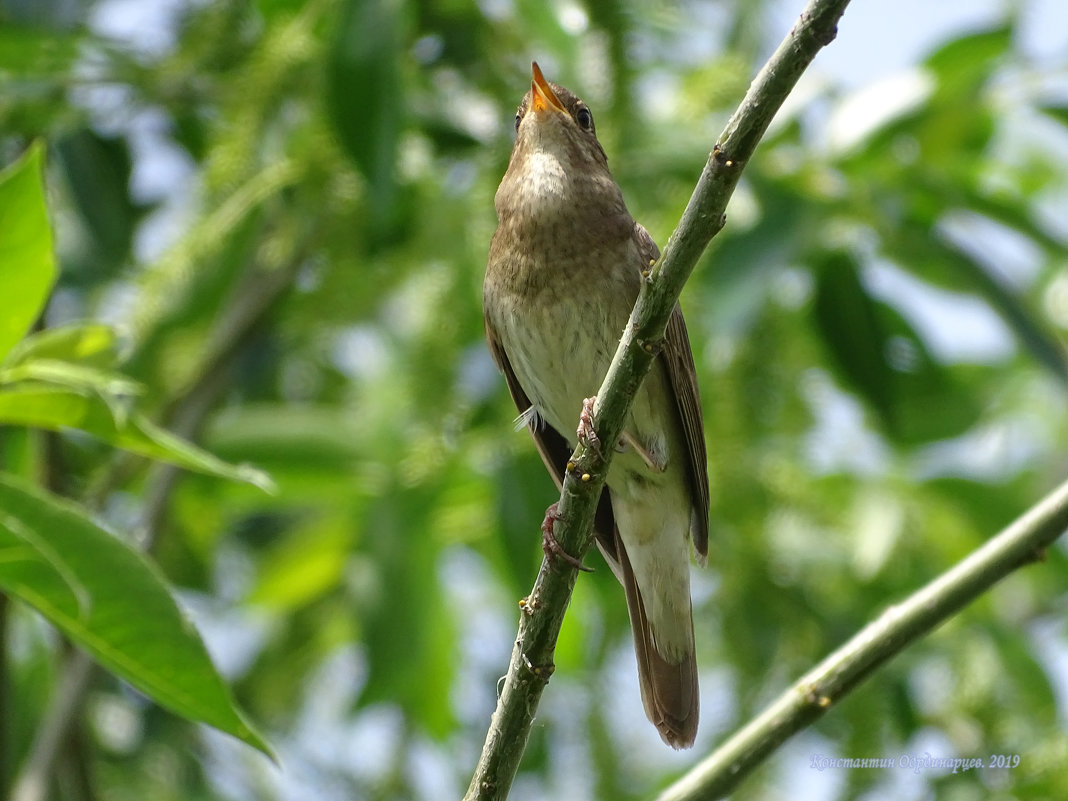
(543, 611)
(1019, 544)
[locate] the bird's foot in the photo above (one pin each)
(549, 544)
(585, 432)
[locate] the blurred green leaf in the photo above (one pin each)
(53, 557)
(27, 267)
(1047, 350)
(1011, 211)
(410, 649)
(318, 438)
(41, 52)
(853, 333)
(88, 344)
(306, 565)
(963, 63)
(1032, 681)
(98, 172)
(1056, 111)
(366, 101)
(73, 376)
(878, 353)
(524, 490)
(56, 408)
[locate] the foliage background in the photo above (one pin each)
(285, 208)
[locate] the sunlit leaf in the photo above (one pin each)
(307, 564)
(88, 344)
(73, 376)
(57, 560)
(964, 62)
(56, 408)
(27, 267)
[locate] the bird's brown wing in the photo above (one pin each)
(682, 375)
(554, 450)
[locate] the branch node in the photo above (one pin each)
(540, 672)
(652, 346)
(816, 698)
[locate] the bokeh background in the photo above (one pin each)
(285, 208)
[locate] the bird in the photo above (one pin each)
(564, 270)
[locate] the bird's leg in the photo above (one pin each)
(551, 546)
(585, 432)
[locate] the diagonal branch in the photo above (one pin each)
(1021, 543)
(543, 611)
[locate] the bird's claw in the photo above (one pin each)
(549, 544)
(585, 432)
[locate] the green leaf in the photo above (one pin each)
(846, 317)
(937, 258)
(876, 351)
(965, 63)
(27, 266)
(98, 170)
(37, 51)
(366, 101)
(1024, 322)
(410, 646)
(315, 438)
(307, 564)
(57, 408)
(110, 600)
(89, 344)
(1057, 111)
(73, 376)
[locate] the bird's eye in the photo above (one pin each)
(584, 118)
(518, 119)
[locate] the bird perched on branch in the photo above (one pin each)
(565, 267)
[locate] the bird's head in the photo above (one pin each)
(553, 122)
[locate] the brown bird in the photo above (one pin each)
(564, 271)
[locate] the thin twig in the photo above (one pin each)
(1021, 543)
(543, 611)
(35, 777)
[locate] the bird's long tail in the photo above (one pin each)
(669, 687)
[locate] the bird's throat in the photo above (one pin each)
(545, 179)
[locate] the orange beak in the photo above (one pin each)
(542, 97)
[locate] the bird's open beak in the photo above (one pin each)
(542, 97)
